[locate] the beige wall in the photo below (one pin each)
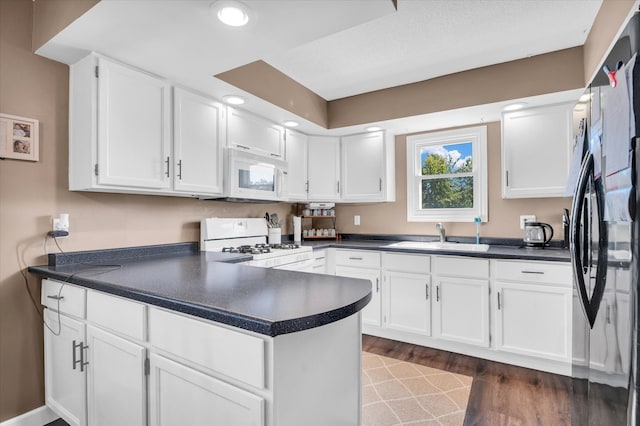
(31, 193)
(52, 16)
(391, 218)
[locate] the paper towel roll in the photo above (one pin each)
(297, 229)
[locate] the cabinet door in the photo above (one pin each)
(199, 131)
(533, 320)
(182, 396)
(324, 168)
(408, 302)
(133, 128)
(535, 151)
(116, 385)
(371, 314)
(64, 387)
(363, 167)
(461, 310)
(296, 148)
(250, 132)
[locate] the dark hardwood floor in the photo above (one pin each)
(501, 394)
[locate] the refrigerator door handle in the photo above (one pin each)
(590, 305)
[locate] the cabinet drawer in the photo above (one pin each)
(537, 272)
(68, 298)
(461, 266)
(229, 352)
(414, 263)
(117, 314)
(358, 258)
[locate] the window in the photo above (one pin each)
(447, 176)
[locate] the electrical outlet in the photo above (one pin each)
(526, 218)
(61, 226)
(356, 219)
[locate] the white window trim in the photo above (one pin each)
(478, 137)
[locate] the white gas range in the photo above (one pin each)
(249, 236)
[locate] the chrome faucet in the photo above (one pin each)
(441, 230)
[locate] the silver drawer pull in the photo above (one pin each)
(355, 258)
(533, 272)
(55, 297)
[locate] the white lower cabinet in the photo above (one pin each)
(407, 292)
(533, 307)
(408, 306)
(180, 395)
(116, 385)
(363, 264)
(461, 305)
(461, 310)
(371, 313)
(113, 361)
(65, 387)
(533, 320)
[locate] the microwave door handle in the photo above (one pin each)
(576, 248)
(279, 182)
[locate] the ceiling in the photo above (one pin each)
(335, 48)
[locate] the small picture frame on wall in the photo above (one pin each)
(19, 137)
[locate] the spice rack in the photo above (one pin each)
(322, 220)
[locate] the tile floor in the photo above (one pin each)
(396, 393)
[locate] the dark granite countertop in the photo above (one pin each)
(502, 250)
(209, 285)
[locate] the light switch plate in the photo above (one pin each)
(356, 219)
(526, 218)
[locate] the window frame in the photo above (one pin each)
(478, 137)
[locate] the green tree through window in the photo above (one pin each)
(447, 180)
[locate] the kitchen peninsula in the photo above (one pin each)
(225, 343)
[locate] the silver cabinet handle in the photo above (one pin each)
(167, 163)
(338, 184)
(274, 155)
(426, 292)
(242, 146)
(55, 297)
(437, 293)
(380, 184)
(180, 169)
(533, 272)
(608, 316)
(377, 285)
(80, 361)
(507, 176)
(306, 187)
(499, 306)
(355, 258)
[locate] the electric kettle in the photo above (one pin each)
(537, 234)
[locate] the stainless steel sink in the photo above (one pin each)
(437, 245)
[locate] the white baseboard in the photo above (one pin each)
(38, 417)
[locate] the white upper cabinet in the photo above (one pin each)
(133, 127)
(296, 149)
(363, 167)
(250, 132)
(324, 168)
(535, 151)
(119, 137)
(199, 133)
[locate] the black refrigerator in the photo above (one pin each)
(604, 239)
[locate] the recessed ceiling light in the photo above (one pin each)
(515, 106)
(373, 128)
(290, 123)
(232, 13)
(233, 100)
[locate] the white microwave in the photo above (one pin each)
(254, 177)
